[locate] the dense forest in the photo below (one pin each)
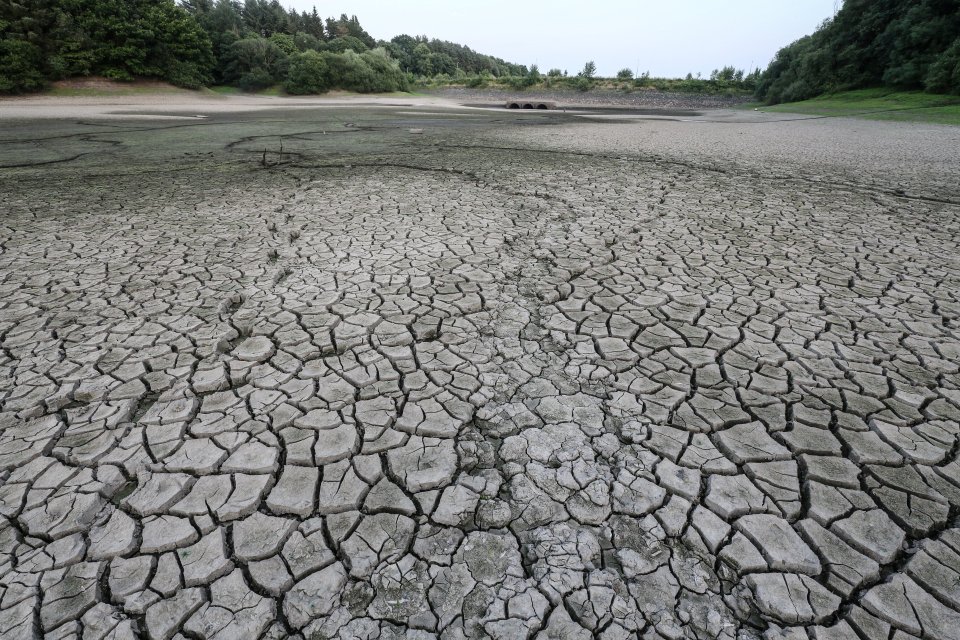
(193, 43)
(255, 44)
(902, 44)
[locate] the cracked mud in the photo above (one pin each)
(449, 386)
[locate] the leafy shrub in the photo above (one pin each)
(370, 72)
(20, 64)
(347, 43)
(387, 73)
(308, 74)
(186, 75)
(255, 63)
(625, 74)
(255, 80)
(944, 74)
(306, 42)
(520, 83)
(582, 84)
(285, 42)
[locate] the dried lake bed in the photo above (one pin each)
(397, 368)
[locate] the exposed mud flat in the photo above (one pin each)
(302, 373)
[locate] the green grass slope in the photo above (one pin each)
(879, 104)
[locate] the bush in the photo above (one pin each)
(308, 74)
(255, 63)
(255, 80)
(347, 43)
(306, 42)
(186, 75)
(582, 84)
(285, 42)
(370, 72)
(520, 83)
(625, 74)
(387, 73)
(944, 74)
(20, 64)
(644, 79)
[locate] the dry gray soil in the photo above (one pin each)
(516, 376)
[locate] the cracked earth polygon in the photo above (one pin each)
(470, 384)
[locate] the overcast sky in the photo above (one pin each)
(665, 37)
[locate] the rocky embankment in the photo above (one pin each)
(642, 99)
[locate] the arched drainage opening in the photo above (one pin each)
(543, 105)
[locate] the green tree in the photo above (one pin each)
(589, 70)
(944, 74)
(422, 62)
(197, 8)
(20, 67)
(625, 74)
(308, 74)
(264, 17)
(347, 43)
(29, 33)
(895, 43)
(305, 41)
(119, 39)
(349, 27)
(194, 42)
(255, 63)
(285, 42)
(389, 76)
(224, 26)
(369, 72)
(442, 64)
(726, 74)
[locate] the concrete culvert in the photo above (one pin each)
(542, 106)
(528, 106)
(513, 105)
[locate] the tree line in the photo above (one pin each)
(193, 43)
(902, 44)
(254, 44)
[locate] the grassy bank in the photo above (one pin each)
(879, 104)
